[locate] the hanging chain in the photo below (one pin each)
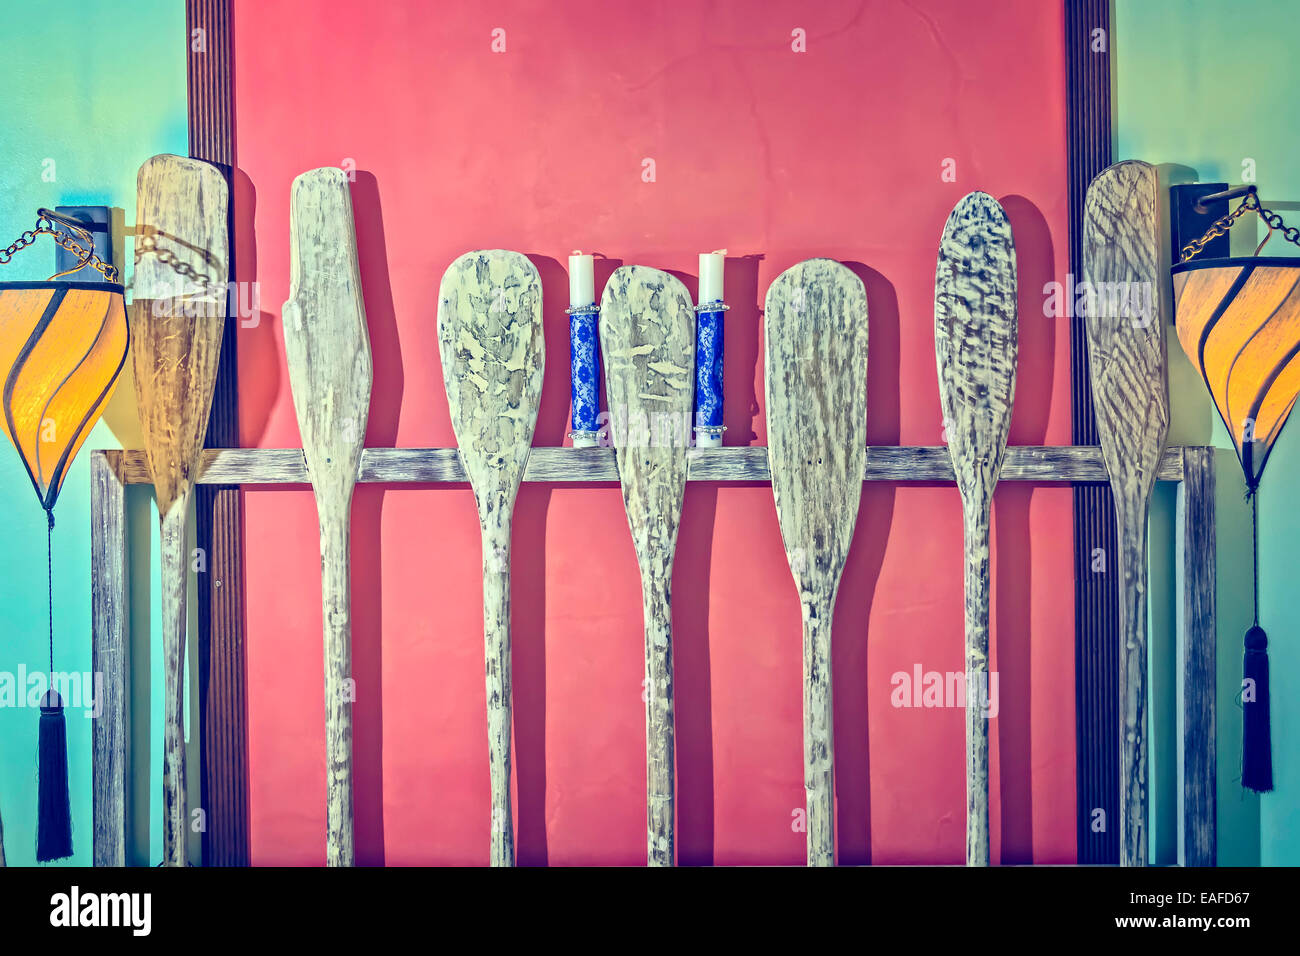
(56, 226)
(1221, 226)
(149, 243)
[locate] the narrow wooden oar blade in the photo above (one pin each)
(327, 349)
(1130, 397)
(647, 335)
(815, 372)
(1126, 339)
(975, 339)
(180, 283)
(326, 343)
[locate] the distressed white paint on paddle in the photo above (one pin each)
(815, 370)
(327, 349)
(647, 336)
(493, 353)
(975, 349)
(176, 326)
(1130, 396)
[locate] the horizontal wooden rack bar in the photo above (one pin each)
(1191, 467)
(257, 466)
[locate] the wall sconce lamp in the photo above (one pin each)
(1238, 320)
(62, 347)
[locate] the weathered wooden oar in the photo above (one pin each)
(815, 370)
(493, 353)
(975, 348)
(1130, 396)
(647, 335)
(177, 318)
(330, 373)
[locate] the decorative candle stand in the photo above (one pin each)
(709, 343)
(584, 370)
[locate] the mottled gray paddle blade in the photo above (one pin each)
(647, 336)
(975, 343)
(327, 348)
(815, 370)
(1130, 396)
(493, 354)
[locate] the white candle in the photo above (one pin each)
(582, 279)
(711, 265)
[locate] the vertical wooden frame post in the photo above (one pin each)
(1196, 670)
(110, 663)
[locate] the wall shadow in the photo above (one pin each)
(367, 524)
(861, 575)
(1010, 603)
(740, 362)
(259, 356)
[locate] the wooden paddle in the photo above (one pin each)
(1130, 396)
(975, 347)
(493, 354)
(330, 373)
(176, 319)
(647, 335)
(815, 371)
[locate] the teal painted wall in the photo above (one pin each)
(91, 91)
(1203, 88)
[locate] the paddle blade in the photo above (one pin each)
(1126, 338)
(975, 340)
(61, 351)
(177, 317)
(647, 336)
(493, 354)
(326, 344)
(815, 373)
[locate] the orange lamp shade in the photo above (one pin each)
(62, 345)
(1238, 321)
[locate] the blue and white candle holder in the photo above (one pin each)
(584, 371)
(709, 343)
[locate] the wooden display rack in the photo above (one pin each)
(1191, 467)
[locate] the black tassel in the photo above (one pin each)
(1256, 741)
(54, 815)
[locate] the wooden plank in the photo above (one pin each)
(815, 380)
(1196, 671)
(1130, 395)
(281, 466)
(976, 345)
(1096, 608)
(327, 350)
(647, 337)
(177, 323)
(493, 357)
(223, 736)
(109, 650)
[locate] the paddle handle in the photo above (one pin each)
(2, 842)
(496, 640)
(656, 597)
(1131, 521)
(818, 732)
(336, 608)
(175, 579)
(976, 576)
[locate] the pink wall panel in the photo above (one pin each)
(777, 156)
